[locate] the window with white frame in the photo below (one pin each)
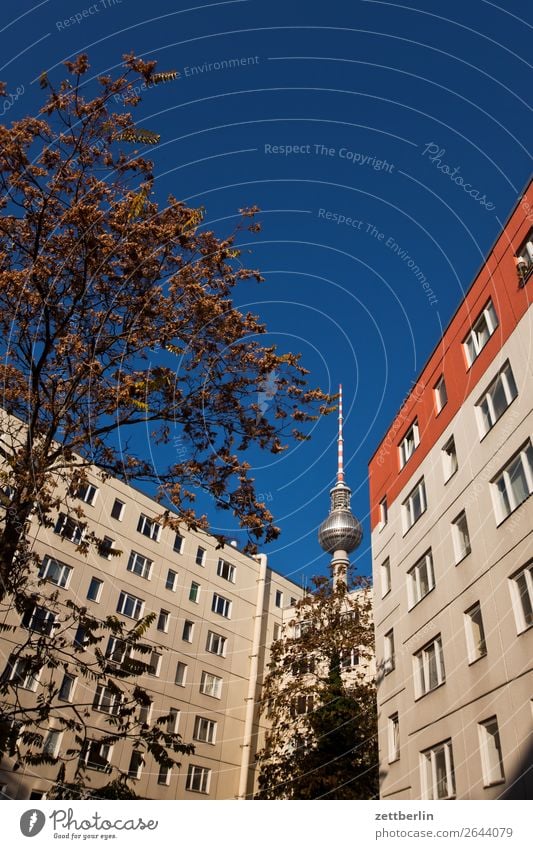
(389, 658)
(173, 720)
(491, 752)
(136, 764)
(22, 672)
(163, 620)
(420, 579)
(179, 542)
(394, 737)
(440, 394)
(216, 643)
(69, 529)
(205, 730)
(164, 775)
(188, 628)
(521, 585)
(106, 548)
(117, 510)
(148, 527)
(54, 571)
(198, 779)
(38, 618)
(385, 577)
(301, 704)
(96, 755)
(221, 605)
(524, 259)
(226, 570)
(181, 673)
(475, 633)
(145, 712)
(414, 505)
(349, 659)
(495, 400)
(171, 582)
(278, 598)
(81, 638)
(449, 459)
(460, 537)
(52, 742)
(482, 330)
(130, 606)
(67, 687)
(429, 667)
(514, 483)
(95, 589)
(408, 444)
(118, 651)
(194, 592)
(87, 493)
(438, 775)
(140, 565)
(154, 663)
(210, 685)
(200, 556)
(277, 631)
(106, 700)
(383, 512)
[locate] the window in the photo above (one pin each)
(449, 459)
(389, 660)
(438, 777)
(494, 402)
(385, 578)
(198, 778)
(34, 794)
(130, 605)
(383, 513)
(188, 628)
(204, 730)
(22, 673)
(194, 592)
(414, 505)
(66, 690)
(164, 775)
(221, 605)
(106, 548)
(117, 511)
(408, 444)
(54, 571)
(139, 565)
(301, 705)
(461, 537)
(118, 651)
(173, 721)
(394, 738)
(145, 712)
(200, 556)
(148, 527)
(87, 493)
(216, 644)
(171, 582)
(51, 743)
(136, 764)
(429, 668)
(226, 570)
(96, 755)
(106, 700)
(277, 631)
(278, 601)
(514, 484)
(480, 334)
(303, 665)
(491, 752)
(81, 638)
(178, 544)
(292, 601)
(420, 579)
(522, 597)
(210, 685)
(39, 619)
(154, 664)
(524, 259)
(181, 674)
(349, 659)
(440, 394)
(69, 529)
(95, 589)
(163, 620)
(475, 633)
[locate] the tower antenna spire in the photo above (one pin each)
(340, 442)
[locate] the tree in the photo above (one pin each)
(116, 312)
(319, 698)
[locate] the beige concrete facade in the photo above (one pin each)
(256, 596)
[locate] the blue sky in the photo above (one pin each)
(336, 122)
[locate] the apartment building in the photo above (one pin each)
(217, 611)
(452, 548)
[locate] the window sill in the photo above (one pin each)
(448, 479)
(464, 556)
(420, 600)
(423, 696)
(477, 659)
(524, 630)
(501, 521)
(494, 783)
